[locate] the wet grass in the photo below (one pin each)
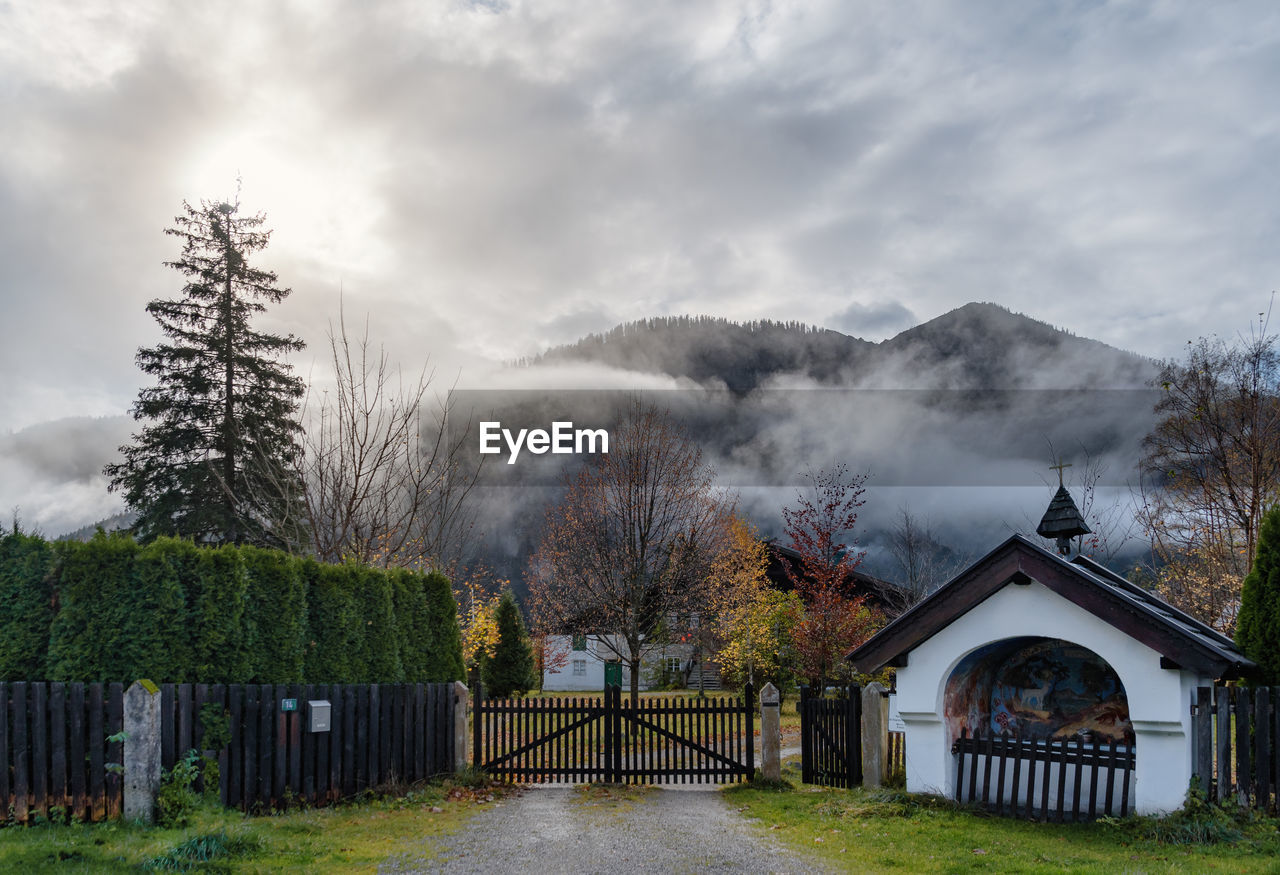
(891, 830)
(353, 837)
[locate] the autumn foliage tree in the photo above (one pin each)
(478, 619)
(631, 541)
(820, 526)
(752, 622)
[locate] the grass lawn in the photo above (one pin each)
(887, 830)
(347, 838)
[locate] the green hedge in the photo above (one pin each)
(26, 606)
(110, 609)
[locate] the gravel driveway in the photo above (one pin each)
(606, 829)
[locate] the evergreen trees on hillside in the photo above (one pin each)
(213, 459)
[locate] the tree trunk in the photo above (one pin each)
(228, 414)
(634, 662)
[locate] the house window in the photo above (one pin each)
(579, 642)
(673, 665)
(579, 666)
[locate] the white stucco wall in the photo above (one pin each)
(1159, 699)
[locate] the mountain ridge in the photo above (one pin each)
(975, 346)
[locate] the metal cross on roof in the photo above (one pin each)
(1058, 467)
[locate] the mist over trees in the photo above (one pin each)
(220, 423)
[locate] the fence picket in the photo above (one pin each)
(1244, 771)
(1262, 747)
(97, 803)
(21, 754)
(1222, 697)
(58, 746)
(114, 789)
(40, 749)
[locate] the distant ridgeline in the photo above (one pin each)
(111, 610)
(977, 346)
(711, 348)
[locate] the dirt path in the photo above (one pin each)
(601, 829)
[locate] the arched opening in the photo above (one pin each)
(1036, 689)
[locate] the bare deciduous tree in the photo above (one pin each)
(924, 563)
(631, 542)
(1215, 453)
(385, 481)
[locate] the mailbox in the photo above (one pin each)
(318, 715)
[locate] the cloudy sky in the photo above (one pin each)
(485, 179)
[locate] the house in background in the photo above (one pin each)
(592, 661)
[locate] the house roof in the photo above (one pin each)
(1181, 640)
(888, 597)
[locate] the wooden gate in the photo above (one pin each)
(831, 738)
(603, 738)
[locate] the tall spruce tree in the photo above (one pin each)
(1258, 623)
(214, 459)
(510, 669)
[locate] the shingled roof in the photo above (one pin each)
(1181, 640)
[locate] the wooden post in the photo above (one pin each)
(1202, 725)
(875, 735)
(460, 696)
(770, 733)
(141, 750)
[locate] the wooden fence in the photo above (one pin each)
(1235, 730)
(56, 759)
(379, 734)
(586, 739)
(54, 751)
(1074, 779)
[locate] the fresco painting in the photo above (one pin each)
(1037, 688)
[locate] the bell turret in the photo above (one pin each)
(1062, 521)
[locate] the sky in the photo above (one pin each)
(480, 180)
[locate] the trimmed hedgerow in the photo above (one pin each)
(427, 627)
(110, 609)
(26, 606)
(275, 619)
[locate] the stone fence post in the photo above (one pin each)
(141, 750)
(875, 734)
(770, 733)
(461, 697)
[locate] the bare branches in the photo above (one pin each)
(383, 483)
(1216, 451)
(923, 561)
(631, 541)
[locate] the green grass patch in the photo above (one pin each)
(890, 830)
(352, 837)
